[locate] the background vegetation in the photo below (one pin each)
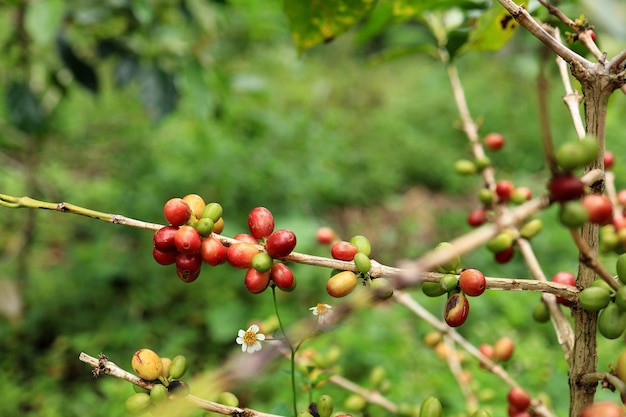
(213, 98)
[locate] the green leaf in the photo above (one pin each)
(82, 71)
(492, 31)
(316, 21)
(414, 8)
(24, 109)
(43, 19)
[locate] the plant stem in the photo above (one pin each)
(291, 349)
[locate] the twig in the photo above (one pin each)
(102, 365)
(589, 258)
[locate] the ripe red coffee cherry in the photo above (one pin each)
(342, 250)
(565, 187)
(599, 207)
(187, 239)
(503, 349)
(213, 252)
(603, 409)
(176, 211)
(456, 310)
(504, 189)
(260, 222)
(477, 217)
(504, 256)
(564, 277)
(187, 276)
(518, 398)
(472, 282)
(256, 282)
(240, 255)
(325, 235)
(494, 141)
(188, 262)
(280, 243)
(486, 350)
(609, 159)
(283, 277)
(164, 258)
(164, 239)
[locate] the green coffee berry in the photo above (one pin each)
(205, 226)
(449, 282)
(212, 211)
(362, 262)
(158, 394)
(137, 403)
(382, 288)
(453, 264)
(325, 406)
(531, 229)
(465, 167)
(178, 367)
(228, 398)
(262, 262)
(432, 289)
(362, 244)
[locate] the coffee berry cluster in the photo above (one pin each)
(458, 284)
(164, 374)
(357, 250)
(191, 240)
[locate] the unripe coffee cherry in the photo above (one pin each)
(176, 211)
(280, 243)
(362, 244)
(577, 153)
(456, 310)
(138, 403)
(178, 367)
(362, 262)
(212, 211)
(449, 282)
(262, 262)
(454, 262)
(260, 222)
(147, 364)
(228, 399)
(382, 288)
(500, 242)
(531, 228)
(612, 322)
(620, 266)
(158, 394)
(342, 250)
(167, 362)
(573, 215)
(325, 406)
(503, 349)
(341, 284)
(465, 167)
(541, 313)
(431, 407)
(205, 226)
(195, 203)
(620, 366)
(594, 298)
(433, 289)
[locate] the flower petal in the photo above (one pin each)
(241, 333)
(239, 340)
(254, 328)
(260, 336)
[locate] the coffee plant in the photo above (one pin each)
(581, 305)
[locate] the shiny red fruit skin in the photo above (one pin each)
(244, 237)
(240, 255)
(504, 189)
(504, 256)
(477, 217)
(188, 263)
(213, 252)
(164, 258)
(609, 160)
(518, 398)
(187, 239)
(603, 409)
(280, 243)
(456, 310)
(472, 282)
(176, 211)
(599, 207)
(565, 187)
(283, 277)
(343, 251)
(564, 277)
(256, 282)
(187, 276)
(164, 239)
(494, 141)
(325, 235)
(260, 222)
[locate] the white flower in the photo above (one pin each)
(323, 313)
(250, 340)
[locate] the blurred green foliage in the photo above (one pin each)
(128, 105)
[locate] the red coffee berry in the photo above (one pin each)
(164, 239)
(599, 207)
(342, 250)
(187, 239)
(244, 237)
(256, 282)
(486, 350)
(325, 235)
(176, 211)
(164, 258)
(503, 349)
(213, 251)
(472, 282)
(280, 243)
(565, 187)
(603, 409)
(518, 398)
(260, 222)
(240, 255)
(504, 189)
(494, 141)
(456, 310)
(283, 277)
(188, 263)
(187, 276)
(477, 217)
(609, 159)
(504, 256)
(564, 277)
